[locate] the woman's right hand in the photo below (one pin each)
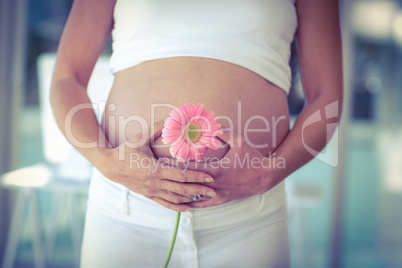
(139, 170)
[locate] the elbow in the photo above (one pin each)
(330, 100)
(58, 92)
(324, 94)
(53, 93)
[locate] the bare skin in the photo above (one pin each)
(219, 85)
(227, 89)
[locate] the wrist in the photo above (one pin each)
(272, 172)
(100, 157)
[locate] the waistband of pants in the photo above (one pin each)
(115, 200)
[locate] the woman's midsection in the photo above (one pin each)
(246, 104)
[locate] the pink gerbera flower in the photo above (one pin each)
(191, 130)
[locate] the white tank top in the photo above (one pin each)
(254, 34)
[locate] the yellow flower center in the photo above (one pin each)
(193, 132)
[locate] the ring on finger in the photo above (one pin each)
(197, 197)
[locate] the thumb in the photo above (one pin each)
(156, 131)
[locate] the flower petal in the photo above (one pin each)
(179, 116)
(175, 130)
(175, 147)
(200, 153)
(201, 111)
(172, 124)
(184, 153)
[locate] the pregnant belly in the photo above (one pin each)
(246, 104)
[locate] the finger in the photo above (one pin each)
(156, 130)
(174, 198)
(206, 167)
(169, 205)
(173, 162)
(147, 136)
(228, 138)
(204, 203)
(200, 198)
(225, 139)
(191, 165)
(180, 175)
(186, 189)
(179, 199)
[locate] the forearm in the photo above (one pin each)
(320, 60)
(76, 118)
(294, 150)
(87, 30)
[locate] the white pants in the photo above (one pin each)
(124, 229)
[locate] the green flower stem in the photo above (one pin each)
(173, 240)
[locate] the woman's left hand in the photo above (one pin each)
(243, 172)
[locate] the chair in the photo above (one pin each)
(66, 171)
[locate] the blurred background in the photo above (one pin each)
(347, 215)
